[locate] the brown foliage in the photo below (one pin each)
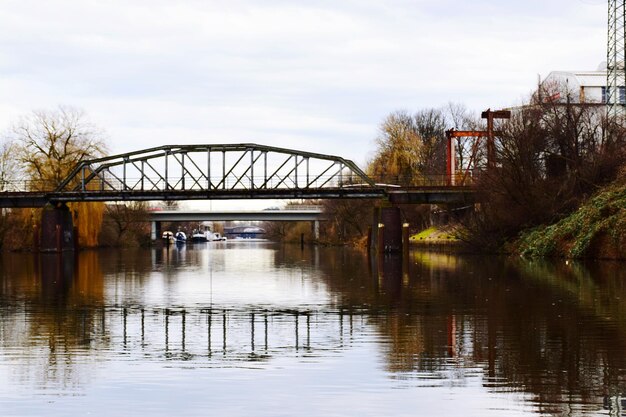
(551, 156)
(408, 147)
(348, 220)
(125, 224)
(48, 144)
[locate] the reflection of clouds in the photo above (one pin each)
(226, 275)
(484, 332)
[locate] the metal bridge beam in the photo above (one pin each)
(184, 172)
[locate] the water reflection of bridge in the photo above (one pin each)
(433, 317)
(185, 333)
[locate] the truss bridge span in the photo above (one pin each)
(224, 171)
(217, 172)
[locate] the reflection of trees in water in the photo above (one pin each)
(48, 310)
(131, 263)
(557, 331)
(572, 329)
(553, 330)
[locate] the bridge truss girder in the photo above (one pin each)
(214, 172)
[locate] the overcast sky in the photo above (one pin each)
(312, 75)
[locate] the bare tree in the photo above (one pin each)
(9, 166)
(48, 145)
(127, 221)
(411, 149)
(9, 172)
(458, 117)
(553, 153)
(51, 142)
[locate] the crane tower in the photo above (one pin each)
(616, 76)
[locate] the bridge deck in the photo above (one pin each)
(241, 215)
(414, 195)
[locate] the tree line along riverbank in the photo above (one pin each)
(554, 188)
(595, 230)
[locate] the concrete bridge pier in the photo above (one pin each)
(57, 229)
(386, 230)
(315, 225)
(155, 230)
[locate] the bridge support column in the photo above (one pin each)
(387, 230)
(155, 230)
(316, 229)
(57, 229)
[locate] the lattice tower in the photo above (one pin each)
(616, 76)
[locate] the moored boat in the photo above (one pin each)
(168, 237)
(180, 237)
(199, 236)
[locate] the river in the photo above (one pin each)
(259, 329)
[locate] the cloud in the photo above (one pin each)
(316, 75)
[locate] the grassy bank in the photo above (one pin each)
(436, 236)
(596, 230)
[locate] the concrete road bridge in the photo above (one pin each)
(301, 213)
(297, 213)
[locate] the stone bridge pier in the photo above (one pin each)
(386, 234)
(57, 233)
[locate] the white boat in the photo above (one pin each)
(216, 237)
(168, 237)
(180, 237)
(199, 236)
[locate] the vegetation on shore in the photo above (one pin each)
(597, 229)
(37, 153)
(437, 235)
(554, 188)
(552, 157)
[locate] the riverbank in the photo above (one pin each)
(596, 230)
(437, 237)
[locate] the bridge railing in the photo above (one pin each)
(21, 186)
(435, 180)
(111, 183)
(303, 207)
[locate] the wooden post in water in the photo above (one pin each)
(301, 241)
(36, 244)
(381, 238)
(59, 238)
(76, 246)
(405, 239)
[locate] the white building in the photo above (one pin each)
(584, 86)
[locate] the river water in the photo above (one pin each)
(257, 329)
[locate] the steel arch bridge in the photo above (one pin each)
(222, 171)
(213, 171)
